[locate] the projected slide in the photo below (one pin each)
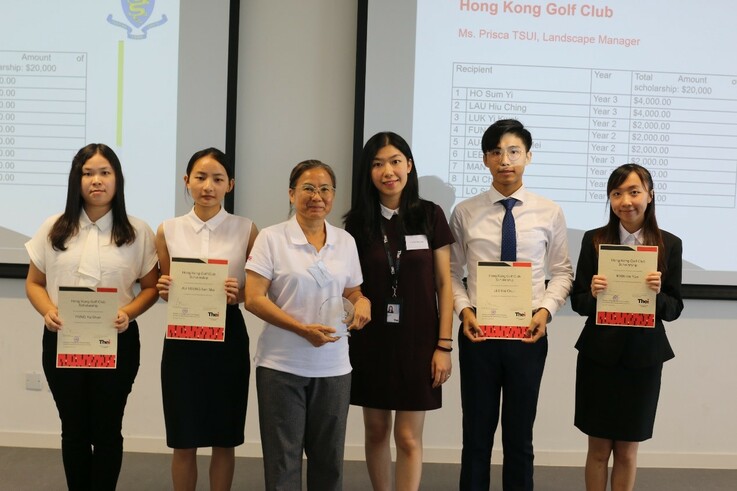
(599, 84)
(72, 73)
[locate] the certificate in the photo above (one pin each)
(504, 299)
(197, 299)
(627, 300)
(88, 338)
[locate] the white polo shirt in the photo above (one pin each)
(282, 254)
(120, 267)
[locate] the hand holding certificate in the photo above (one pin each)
(89, 338)
(197, 299)
(627, 300)
(504, 299)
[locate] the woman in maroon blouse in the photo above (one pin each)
(402, 357)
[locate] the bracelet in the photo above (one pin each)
(443, 348)
(445, 339)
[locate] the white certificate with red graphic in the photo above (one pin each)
(504, 298)
(88, 338)
(197, 299)
(627, 300)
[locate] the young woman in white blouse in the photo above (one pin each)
(205, 384)
(94, 243)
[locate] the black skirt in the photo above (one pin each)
(616, 402)
(204, 386)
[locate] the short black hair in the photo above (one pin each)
(495, 132)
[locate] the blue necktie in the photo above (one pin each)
(509, 232)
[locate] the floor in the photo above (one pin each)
(24, 469)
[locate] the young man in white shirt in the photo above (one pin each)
(505, 370)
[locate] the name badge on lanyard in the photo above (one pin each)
(393, 310)
(393, 305)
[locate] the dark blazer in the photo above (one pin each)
(630, 346)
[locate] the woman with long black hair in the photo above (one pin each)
(619, 368)
(402, 358)
(94, 243)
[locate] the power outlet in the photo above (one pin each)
(33, 381)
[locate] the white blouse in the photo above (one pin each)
(223, 236)
(101, 263)
(627, 238)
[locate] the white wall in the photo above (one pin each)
(295, 102)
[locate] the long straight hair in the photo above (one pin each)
(651, 234)
(364, 216)
(67, 225)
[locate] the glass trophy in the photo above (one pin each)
(336, 312)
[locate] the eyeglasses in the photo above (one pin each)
(324, 191)
(513, 153)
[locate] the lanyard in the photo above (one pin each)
(393, 267)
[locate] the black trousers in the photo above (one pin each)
(495, 372)
(91, 404)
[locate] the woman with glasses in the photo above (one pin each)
(402, 358)
(204, 384)
(619, 368)
(296, 272)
